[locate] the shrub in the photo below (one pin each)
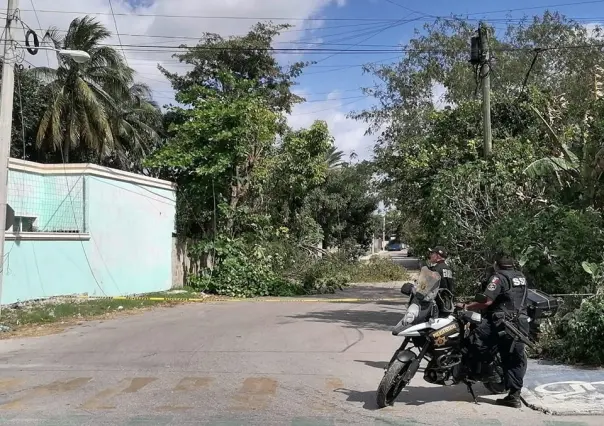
(378, 269)
(576, 336)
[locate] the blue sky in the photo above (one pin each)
(332, 87)
(343, 73)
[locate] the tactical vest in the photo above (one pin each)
(513, 292)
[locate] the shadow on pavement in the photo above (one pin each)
(370, 320)
(375, 364)
(414, 396)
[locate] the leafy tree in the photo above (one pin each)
(215, 151)
(30, 100)
(248, 57)
(343, 206)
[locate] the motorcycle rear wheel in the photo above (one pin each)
(392, 383)
(495, 388)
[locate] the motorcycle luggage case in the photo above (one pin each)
(540, 304)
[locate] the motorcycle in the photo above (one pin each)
(444, 342)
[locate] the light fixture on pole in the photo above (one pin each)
(6, 114)
(77, 55)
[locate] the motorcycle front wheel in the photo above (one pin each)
(392, 383)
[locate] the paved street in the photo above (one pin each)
(233, 363)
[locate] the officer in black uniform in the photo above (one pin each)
(438, 255)
(506, 295)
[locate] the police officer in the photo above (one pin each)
(438, 255)
(506, 295)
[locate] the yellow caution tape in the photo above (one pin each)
(234, 299)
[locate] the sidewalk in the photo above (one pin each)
(563, 390)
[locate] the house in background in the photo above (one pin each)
(86, 229)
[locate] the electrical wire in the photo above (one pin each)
(117, 31)
(33, 6)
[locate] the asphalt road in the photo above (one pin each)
(400, 257)
(233, 363)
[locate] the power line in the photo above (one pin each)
(33, 6)
(246, 18)
(117, 31)
(297, 50)
(518, 9)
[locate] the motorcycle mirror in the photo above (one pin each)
(480, 298)
(407, 289)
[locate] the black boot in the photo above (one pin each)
(512, 400)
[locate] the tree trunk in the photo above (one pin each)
(65, 150)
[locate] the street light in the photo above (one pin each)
(6, 115)
(77, 55)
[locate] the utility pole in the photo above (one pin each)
(384, 230)
(485, 77)
(6, 121)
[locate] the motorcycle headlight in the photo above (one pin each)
(411, 314)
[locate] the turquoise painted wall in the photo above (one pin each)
(130, 244)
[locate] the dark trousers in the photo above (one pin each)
(513, 363)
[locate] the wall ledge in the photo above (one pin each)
(88, 169)
(46, 236)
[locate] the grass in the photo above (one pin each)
(58, 313)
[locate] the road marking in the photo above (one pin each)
(324, 400)
(255, 393)
(563, 423)
(136, 384)
(46, 390)
(254, 299)
(9, 383)
(571, 390)
(187, 384)
(470, 422)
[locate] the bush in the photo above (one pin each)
(378, 269)
(553, 244)
(326, 275)
(577, 336)
(242, 270)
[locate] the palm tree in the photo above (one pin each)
(333, 157)
(78, 115)
(134, 121)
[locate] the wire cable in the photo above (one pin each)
(117, 31)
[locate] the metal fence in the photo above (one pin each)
(47, 203)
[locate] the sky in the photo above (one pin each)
(332, 86)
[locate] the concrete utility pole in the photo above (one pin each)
(6, 121)
(485, 76)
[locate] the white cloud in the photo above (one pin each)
(594, 29)
(349, 134)
(439, 92)
(188, 24)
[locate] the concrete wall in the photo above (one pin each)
(124, 243)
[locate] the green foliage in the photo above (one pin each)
(379, 269)
(553, 244)
(576, 336)
(241, 269)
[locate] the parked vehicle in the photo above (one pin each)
(394, 246)
(444, 342)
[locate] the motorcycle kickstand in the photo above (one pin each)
(471, 390)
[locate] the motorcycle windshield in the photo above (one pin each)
(427, 285)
